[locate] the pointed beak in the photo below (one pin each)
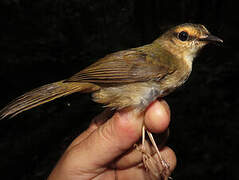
(211, 38)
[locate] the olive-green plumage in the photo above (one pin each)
(129, 78)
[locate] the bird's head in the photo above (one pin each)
(186, 40)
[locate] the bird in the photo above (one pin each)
(131, 78)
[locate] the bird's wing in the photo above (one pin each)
(123, 67)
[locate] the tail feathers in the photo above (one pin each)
(44, 94)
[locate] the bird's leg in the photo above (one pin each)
(149, 162)
(145, 155)
(162, 161)
(143, 137)
(142, 149)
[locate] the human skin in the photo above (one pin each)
(104, 150)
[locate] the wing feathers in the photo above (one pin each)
(122, 67)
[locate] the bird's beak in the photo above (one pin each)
(211, 38)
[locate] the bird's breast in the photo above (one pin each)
(173, 81)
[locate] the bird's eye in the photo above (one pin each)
(183, 36)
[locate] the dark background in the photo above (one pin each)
(49, 40)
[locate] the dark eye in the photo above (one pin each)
(183, 36)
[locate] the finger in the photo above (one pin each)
(107, 142)
(169, 156)
(157, 116)
(158, 110)
(158, 169)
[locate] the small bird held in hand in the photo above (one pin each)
(131, 78)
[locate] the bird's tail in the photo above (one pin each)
(44, 94)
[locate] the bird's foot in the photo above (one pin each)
(149, 163)
(152, 166)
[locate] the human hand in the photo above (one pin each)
(102, 151)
